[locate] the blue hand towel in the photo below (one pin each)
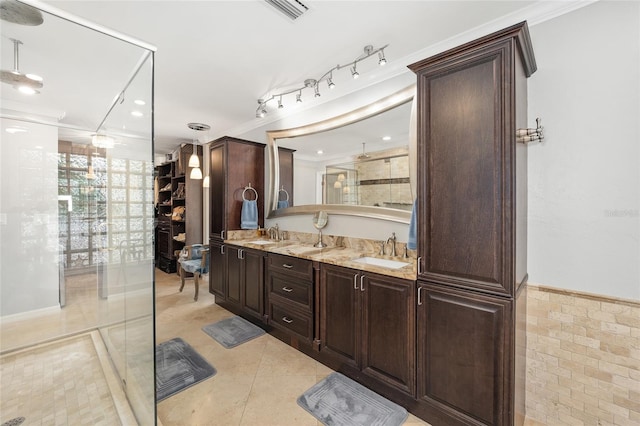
(283, 204)
(249, 215)
(413, 228)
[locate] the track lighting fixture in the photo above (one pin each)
(369, 50)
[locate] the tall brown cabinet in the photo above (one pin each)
(472, 230)
(179, 208)
(234, 165)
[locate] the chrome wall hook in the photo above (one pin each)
(531, 135)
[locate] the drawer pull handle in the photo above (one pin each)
(221, 249)
(286, 265)
(287, 320)
(361, 282)
(419, 294)
(287, 289)
(355, 282)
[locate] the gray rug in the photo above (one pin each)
(178, 366)
(233, 331)
(340, 401)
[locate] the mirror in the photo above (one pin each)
(320, 221)
(358, 173)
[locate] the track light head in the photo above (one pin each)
(299, 97)
(317, 95)
(382, 61)
(330, 83)
(354, 72)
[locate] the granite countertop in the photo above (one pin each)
(341, 256)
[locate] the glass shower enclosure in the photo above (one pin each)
(76, 202)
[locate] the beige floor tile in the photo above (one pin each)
(219, 400)
(273, 401)
(280, 359)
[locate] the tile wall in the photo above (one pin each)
(583, 358)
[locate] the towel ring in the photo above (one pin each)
(246, 188)
(285, 193)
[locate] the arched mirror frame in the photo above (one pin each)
(389, 102)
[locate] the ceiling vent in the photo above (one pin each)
(293, 9)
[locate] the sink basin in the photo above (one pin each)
(262, 242)
(384, 263)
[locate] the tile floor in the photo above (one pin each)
(59, 383)
(257, 382)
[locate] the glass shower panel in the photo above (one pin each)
(76, 218)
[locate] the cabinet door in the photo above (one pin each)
(464, 354)
(234, 274)
(465, 203)
(389, 330)
(339, 293)
(217, 186)
(217, 271)
(253, 282)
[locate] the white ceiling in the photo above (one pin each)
(214, 59)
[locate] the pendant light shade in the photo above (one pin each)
(194, 161)
(205, 182)
(196, 173)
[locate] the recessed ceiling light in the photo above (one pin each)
(320, 152)
(139, 102)
(386, 138)
(137, 113)
(14, 130)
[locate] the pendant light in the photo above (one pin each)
(194, 160)
(196, 173)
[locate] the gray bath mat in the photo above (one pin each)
(233, 331)
(178, 366)
(340, 401)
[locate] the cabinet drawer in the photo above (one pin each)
(291, 288)
(292, 265)
(287, 319)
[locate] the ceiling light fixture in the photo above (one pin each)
(25, 83)
(314, 84)
(102, 141)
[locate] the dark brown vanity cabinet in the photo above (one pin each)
(464, 359)
(472, 193)
(245, 278)
(290, 292)
(218, 270)
(368, 323)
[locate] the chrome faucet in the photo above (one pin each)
(274, 232)
(392, 239)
